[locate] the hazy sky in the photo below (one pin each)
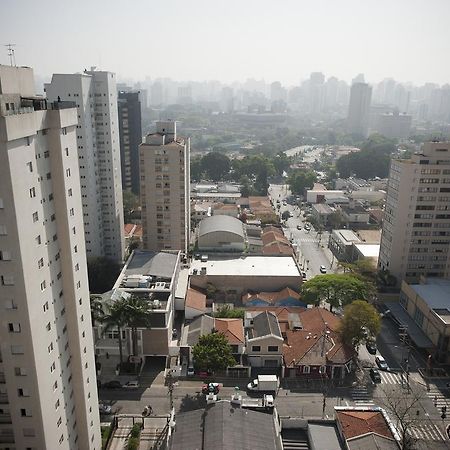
(231, 40)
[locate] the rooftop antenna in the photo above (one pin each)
(11, 54)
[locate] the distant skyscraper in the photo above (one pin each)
(415, 239)
(165, 189)
(130, 131)
(359, 109)
(358, 79)
(95, 95)
(48, 385)
(316, 92)
(227, 99)
(157, 94)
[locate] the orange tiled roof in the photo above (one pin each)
(277, 249)
(357, 423)
(128, 228)
(281, 312)
(233, 329)
(269, 237)
(195, 299)
(271, 297)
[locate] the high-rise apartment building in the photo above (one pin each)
(165, 189)
(48, 391)
(359, 109)
(130, 131)
(416, 229)
(95, 95)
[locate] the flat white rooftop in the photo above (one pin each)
(269, 266)
(369, 250)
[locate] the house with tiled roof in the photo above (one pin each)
(284, 297)
(315, 349)
(195, 303)
(264, 341)
(368, 429)
(288, 317)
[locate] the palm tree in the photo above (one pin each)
(137, 313)
(116, 317)
(97, 311)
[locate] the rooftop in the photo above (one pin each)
(369, 250)
(322, 208)
(195, 300)
(220, 223)
(264, 324)
(157, 264)
(261, 266)
(346, 236)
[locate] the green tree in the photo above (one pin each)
(300, 180)
(336, 220)
(137, 313)
(196, 169)
(114, 317)
(212, 352)
(360, 320)
(246, 188)
(335, 289)
(102, 274)
(130, 205)
(225, 312)
(216, 165)
(97, 312)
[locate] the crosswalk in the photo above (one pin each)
(361, 396)
(426, 432)
(390, 378)
(437, 397)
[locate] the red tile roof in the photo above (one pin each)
(233, 329)
(195, 300)
(357, 423)
(277, 249)
(271, 297)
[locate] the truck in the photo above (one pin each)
(264, 403)
(264, 383)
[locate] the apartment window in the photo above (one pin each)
(69, 192)
(306, 369)
(1, 203)
(50, 197)
(43, 285)
(55, 385)
(32, 192)
(45, 306)
(53, 217)
(3, 231)
(52, 367)
(35, 216)
(49, 176)
(46, 153)
(55, 237)
(57, 256)
(5, 255)
(17, 350)
(7, 280)
(75, 249)
(78, 284)
(61, 439)
(67, 172)
(71, 211)
(256, 348)
(20, 372)
(77, 267)
(9, 304)
(48, 326)
(29, 432)
(14, 327)
(64, 131)
(30, 166)
(74, 231)
(59, 422)
(25, 412)
(21, 392)
(50, 347)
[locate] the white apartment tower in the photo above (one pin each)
(165, 189)
(95, 95)
(48, 391)
(359, 109)
(416, 230)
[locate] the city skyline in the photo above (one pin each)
(402, 40)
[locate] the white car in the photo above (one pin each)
(131, 384)
(323, 269)
(104, 409)
(381, 363)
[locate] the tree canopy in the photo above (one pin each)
(300, 180)
(130, 204)
(215, 165)
(225, 312)
(360, 320)
(213, 353)
(102, 274)
(335, 289)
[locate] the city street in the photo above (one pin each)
(313, 247)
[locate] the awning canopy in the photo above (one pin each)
(414, 331)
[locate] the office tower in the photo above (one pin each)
(393, 125)
(227, 99)
(48, 385)
(165, 186)
(416, 228)
(316, 92)
(130, 132)
(95, 95)
(359, 109)
(157, 94)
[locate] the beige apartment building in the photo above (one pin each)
(415, 239)
(165, 186)
(48, 392)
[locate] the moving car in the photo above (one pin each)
(113, 384)
(211, 388)
(371, 347)
(307, 227)
(304, 275)
(381, 363)
(299, 227)
(375, 375)
(131, 384)
(104, 409)
(323, 269)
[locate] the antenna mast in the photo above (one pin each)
(11, 54)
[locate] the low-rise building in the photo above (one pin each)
(284, 297)
(424, 309)
(195, 304)
(320, 194)
(355, 215)
(221, 234)
(264, 342)
(225, 210)
(341, 244)
(321, 212)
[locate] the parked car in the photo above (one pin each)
(211, 388)
(307, 227)
(371, 347)
(104, 409)
(113, 384)
(190, 371)
(323, 269)
(304, 275)
(381, 363)
(375, 375)
(131, 384)
(299, 227)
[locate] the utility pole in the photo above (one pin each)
(11, 54)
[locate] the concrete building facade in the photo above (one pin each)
(130, 130)
(359, 109)
(95, 96)
(48, 391)
(165, 188)
(416, 229)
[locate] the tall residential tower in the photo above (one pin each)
(416, 230)
(48, 385)
(95, 95)
(165, 189)
(359, 109)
